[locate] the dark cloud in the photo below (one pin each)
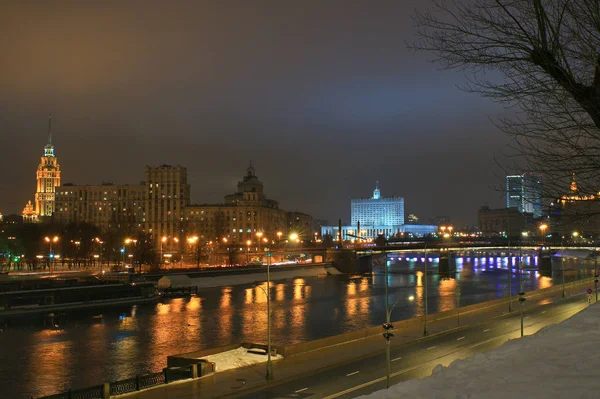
(323, 97)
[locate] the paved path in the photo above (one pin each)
(332, 372)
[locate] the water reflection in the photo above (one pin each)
(89, 348)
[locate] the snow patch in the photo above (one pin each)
(237, 358)
(560, 361)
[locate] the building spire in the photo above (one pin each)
(376, 192)
(50, 129)
(49, 148)
(250, 170)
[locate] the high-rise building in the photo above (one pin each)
(377, 211)
(48, 178)
(532, 194)
(524, 192)
(106, 206)
(514, 192)
(167, 195)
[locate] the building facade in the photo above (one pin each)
(245, 213)
(167, 196)
(524, 192)
(47, 179)
(504, 222)
(377, 211)
(371, 217)
(106, 206)
(576, 212)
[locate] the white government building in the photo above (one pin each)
(374, 216)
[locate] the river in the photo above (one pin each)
(87, 348)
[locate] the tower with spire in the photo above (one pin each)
(48, 178)
(376, 192)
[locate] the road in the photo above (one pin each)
(416, 359)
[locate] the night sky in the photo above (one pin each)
(322, 96)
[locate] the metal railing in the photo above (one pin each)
(137, 383)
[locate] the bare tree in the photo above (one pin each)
(542, 59)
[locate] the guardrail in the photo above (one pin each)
(137, 383)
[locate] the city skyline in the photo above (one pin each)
(183, 91)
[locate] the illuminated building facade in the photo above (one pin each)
(167, 196)
(576, 212)
(376, 216)
(524, 192)
(29, 214)
(377, 211)
(244, 214)
(106, 206)
(48, 178)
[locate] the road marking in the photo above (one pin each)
(301, 390)
(431, 347)
(526, 317)
(351, 374)
(486, 330)
(432, 362)
(398, 358)
(458, 339)
(543, 312)
(507, 323)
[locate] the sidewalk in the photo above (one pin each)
(236, 381)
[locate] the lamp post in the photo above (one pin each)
(259, 235)
(562, 265)
(521, 295)
(163, 239)
(248, 243)
(50, 240)
(194, 240)
(267, 292)
(543, 228)
(134, 241)
(425, 331)
(387, 326)
(99, 241)
(596, 268)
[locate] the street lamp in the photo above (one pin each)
(562, 264)
(134, 241)
(193, 240)
(259, 235)
(248, 243)
(521, 295)
(99, 241)
(387, 326)
(50, 241)
(596, 268)
(267, 292)
(425, 332)
(162, 241)
(543, 228)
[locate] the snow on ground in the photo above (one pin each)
(560, 361)
(237, 358)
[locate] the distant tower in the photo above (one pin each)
(48, 178)
(376, 192)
